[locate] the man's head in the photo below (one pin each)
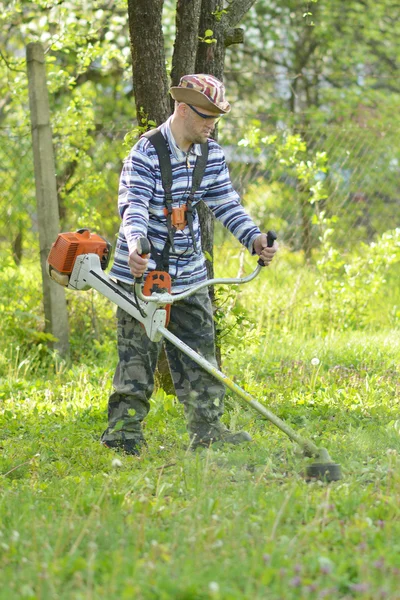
(203, 91)
(199, 103)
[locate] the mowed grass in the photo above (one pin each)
(80, 521)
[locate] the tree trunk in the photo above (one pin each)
(186, 39)
(55, 306)
(210, 59)
(150, 85)
(211, 56)
(148, 61)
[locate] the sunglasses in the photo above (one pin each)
(203, 116)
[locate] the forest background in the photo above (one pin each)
(313, 147)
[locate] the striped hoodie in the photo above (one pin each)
(141, 208)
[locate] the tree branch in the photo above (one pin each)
(8, 64)
(186, 39)
(382, 56)
(3, 103)
(234, 36)
(268, 59)
(386, 86)
(236, 11)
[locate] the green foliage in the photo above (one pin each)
(339, 90)
(347, 285)
(20, 309)
(144, 125)
(219, 13)
(289, 155)
(301, 78)
(311, 68)
(295, 175)
(341, 290)
(207, 37)
(23, 335)
(87, 62)
(292, 154)
(233, 324)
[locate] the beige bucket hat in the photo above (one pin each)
(204, 91)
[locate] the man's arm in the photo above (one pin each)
(137, 183)
(224, 202)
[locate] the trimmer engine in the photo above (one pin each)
(68, 246)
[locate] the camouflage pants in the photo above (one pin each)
(200, 393)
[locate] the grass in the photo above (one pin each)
(78, 521)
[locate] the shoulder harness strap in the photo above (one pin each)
(157, 139)
(198, 172)
(199, 168)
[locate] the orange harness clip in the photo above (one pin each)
(178, 217)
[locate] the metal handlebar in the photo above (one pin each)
(171, 298)
(143, 247)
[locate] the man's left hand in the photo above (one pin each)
(261, 248)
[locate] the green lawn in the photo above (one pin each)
(79, 521)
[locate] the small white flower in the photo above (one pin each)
(213, 586)
(315, 361)
(116, 463)
(15, 536)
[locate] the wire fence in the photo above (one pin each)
(361, 185)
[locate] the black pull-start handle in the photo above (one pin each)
(271, 237)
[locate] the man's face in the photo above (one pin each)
(199, 123)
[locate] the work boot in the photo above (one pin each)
(131, 446)
(207, 434)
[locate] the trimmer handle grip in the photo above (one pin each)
(143, 246)
(271, 237)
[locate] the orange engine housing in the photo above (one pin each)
(70, 245)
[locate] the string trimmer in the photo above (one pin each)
(78, 260)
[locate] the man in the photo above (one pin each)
(199, 103)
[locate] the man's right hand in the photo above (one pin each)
(137, 263)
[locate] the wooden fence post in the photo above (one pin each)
(55, 306)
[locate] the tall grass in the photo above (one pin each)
(80, 521)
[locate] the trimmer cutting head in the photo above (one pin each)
(324, 471)
(323, 468)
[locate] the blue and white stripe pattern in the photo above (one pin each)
(141, 207)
